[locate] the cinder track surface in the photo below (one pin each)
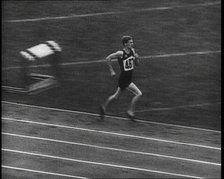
(58, 134)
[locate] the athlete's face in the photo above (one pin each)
(130, 44)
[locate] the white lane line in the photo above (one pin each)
(112, 117)
(42, 172)
(177, 107)
(14, 89)
(113, 133)
(112, 13)
(99, 163)
(112, 149)
(103, 60)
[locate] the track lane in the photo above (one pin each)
(112, 141)
(209, 138)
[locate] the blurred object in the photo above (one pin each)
(33, 83)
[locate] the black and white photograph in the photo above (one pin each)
(111, 89)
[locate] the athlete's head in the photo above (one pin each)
(127, 41)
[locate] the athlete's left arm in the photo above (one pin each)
(136, 60)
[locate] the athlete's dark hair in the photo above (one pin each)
(125, 39)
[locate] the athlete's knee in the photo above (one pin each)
(139, 94)
(117, 94)
(114, 96)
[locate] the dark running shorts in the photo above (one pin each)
(124, 80)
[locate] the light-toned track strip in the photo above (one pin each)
(111, 149)
(41, 172)
(149, 57)
(113, 117)
(114, 13)
(113, 133)
(98, 163)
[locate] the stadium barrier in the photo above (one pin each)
(34, 83)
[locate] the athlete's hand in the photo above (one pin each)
(136, 59)
(112, 74)
(136, 56)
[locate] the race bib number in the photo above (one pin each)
(128, 64)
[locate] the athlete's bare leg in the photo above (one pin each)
(134, 89)
(108, 101)
(112, 97)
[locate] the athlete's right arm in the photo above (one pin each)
(115, 55)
